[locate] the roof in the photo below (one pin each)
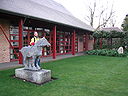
(54, 5)
(112, 29)
(43, 9)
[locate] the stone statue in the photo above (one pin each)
(33, 52)
(120, 50)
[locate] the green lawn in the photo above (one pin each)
(77, 76)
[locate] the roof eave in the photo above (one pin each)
(32, 17)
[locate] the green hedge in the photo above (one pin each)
(111, 34)
(123, 41)
(105, 52)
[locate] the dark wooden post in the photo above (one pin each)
(73, 42)
(94, 42)
(54, 42)
(101, 42)
(111, 43)
(108, 42)
(28, 36)
(86, 41)
(20, 40)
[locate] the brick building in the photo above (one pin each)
(20, 18)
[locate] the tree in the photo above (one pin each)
(102, 15)
(112, 21)
(125, 23)
(91, 16)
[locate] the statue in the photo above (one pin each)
(34, 51)
(120, 50)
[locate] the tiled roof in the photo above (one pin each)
(43, 9)
(111, 29)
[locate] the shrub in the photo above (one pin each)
(105, 52)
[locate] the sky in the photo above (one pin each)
(79, 8)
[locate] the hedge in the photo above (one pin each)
(105, 52)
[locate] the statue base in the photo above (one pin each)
(39, 77)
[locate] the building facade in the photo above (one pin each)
(67, 34)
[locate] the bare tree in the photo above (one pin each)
(90, 18)
(112, 21)
(103, 17)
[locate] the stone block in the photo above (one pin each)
(38, 77)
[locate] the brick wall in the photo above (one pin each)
(4, 45)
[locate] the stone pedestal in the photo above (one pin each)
(38, 77)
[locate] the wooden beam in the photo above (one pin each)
(54, 42)
(101, 39)
(73, 42)
(86, 41)
(20, 40)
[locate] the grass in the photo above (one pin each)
(78, 76)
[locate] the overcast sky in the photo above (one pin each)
(79, 8)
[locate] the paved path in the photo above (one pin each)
(9, 65)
